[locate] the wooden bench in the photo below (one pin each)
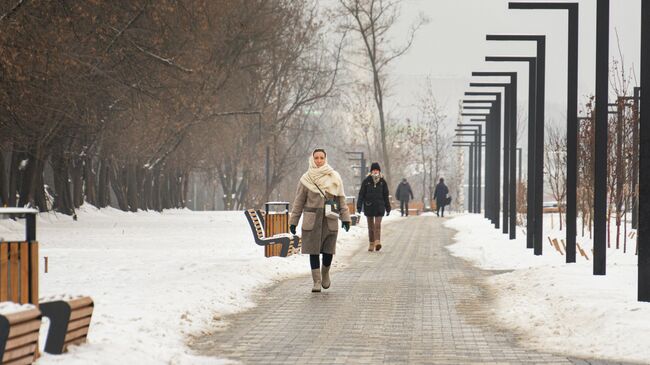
(282, 245)
(416, 207)
(19, 337)
(69, 322)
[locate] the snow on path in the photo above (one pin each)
(560, 307)
(157, 278)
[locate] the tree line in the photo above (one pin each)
(120, 102)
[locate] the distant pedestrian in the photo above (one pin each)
(404, 194)
(440, 195)
(321, 201)
(373, 200)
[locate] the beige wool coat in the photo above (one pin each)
(319, 233)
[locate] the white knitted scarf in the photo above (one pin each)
(328, 180)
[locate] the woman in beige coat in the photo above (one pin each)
(319, 226)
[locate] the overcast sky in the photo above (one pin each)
(453, 45)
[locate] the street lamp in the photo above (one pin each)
(532, 91)
(510, 90)
(643, 241)
(572, 110)
(538, 147)
(494, 148)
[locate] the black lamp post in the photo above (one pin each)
(510, 99)
(494, 148)
(572, 115)
(478, 160)
(538, 165)
(643, 238)
(490, 212)
(532, 91)
(600, 140)
(510, 134)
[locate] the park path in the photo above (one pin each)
(411, 303)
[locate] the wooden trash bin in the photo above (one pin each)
(19, 262)
(276, 218)
(19, 336)
(351, 202)
(69, 322)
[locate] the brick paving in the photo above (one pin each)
(411, 303)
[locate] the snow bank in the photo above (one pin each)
(157, 278)
(559, 307)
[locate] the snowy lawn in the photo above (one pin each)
(560, 307)
(158, 278)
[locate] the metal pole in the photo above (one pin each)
(572, 121)
(513, 158)
(635, 159)
(470, 185)
(495, 148)
(506, 135)
(600, 143)
(643, 241)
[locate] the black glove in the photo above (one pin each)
(292, 229)
(345, 225)
(358, 209)
(387, 212)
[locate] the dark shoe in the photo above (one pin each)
(377, 245)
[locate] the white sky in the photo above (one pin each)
(453, 45)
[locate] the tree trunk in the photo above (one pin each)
(14, 175)
(90, 181)
(132, 187)
(4, 201)
(118, 186)
(76, 174)
(62, 201)
(103, 183)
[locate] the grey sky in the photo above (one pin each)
(453, 45)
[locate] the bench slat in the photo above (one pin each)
(81, 312)
(21, 340)
(83, 322)
(23, 328)
(23, 316)
(76, 334)
(20, 352)
(80, 302)
(22, 361)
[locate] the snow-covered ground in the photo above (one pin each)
(556, 306)
(158, 278)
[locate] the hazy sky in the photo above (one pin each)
(453, 45)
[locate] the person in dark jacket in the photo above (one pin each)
(404, 194)
(373, 200)
(440, 195)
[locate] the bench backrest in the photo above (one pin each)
(254, 220)
(19, 272)
(19, 336)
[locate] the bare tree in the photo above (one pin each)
(555, 166)
(373, 20)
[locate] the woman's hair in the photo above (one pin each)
(319, 150)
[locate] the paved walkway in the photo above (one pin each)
(409, 303)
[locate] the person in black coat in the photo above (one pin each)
(440, 195)
(373, 201)
(404, 194)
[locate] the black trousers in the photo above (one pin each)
(441, 210)
(404, 207)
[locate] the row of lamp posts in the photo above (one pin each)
(487, 115)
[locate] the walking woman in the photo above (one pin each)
(440, 195)
(373, 199)
(321, 201)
